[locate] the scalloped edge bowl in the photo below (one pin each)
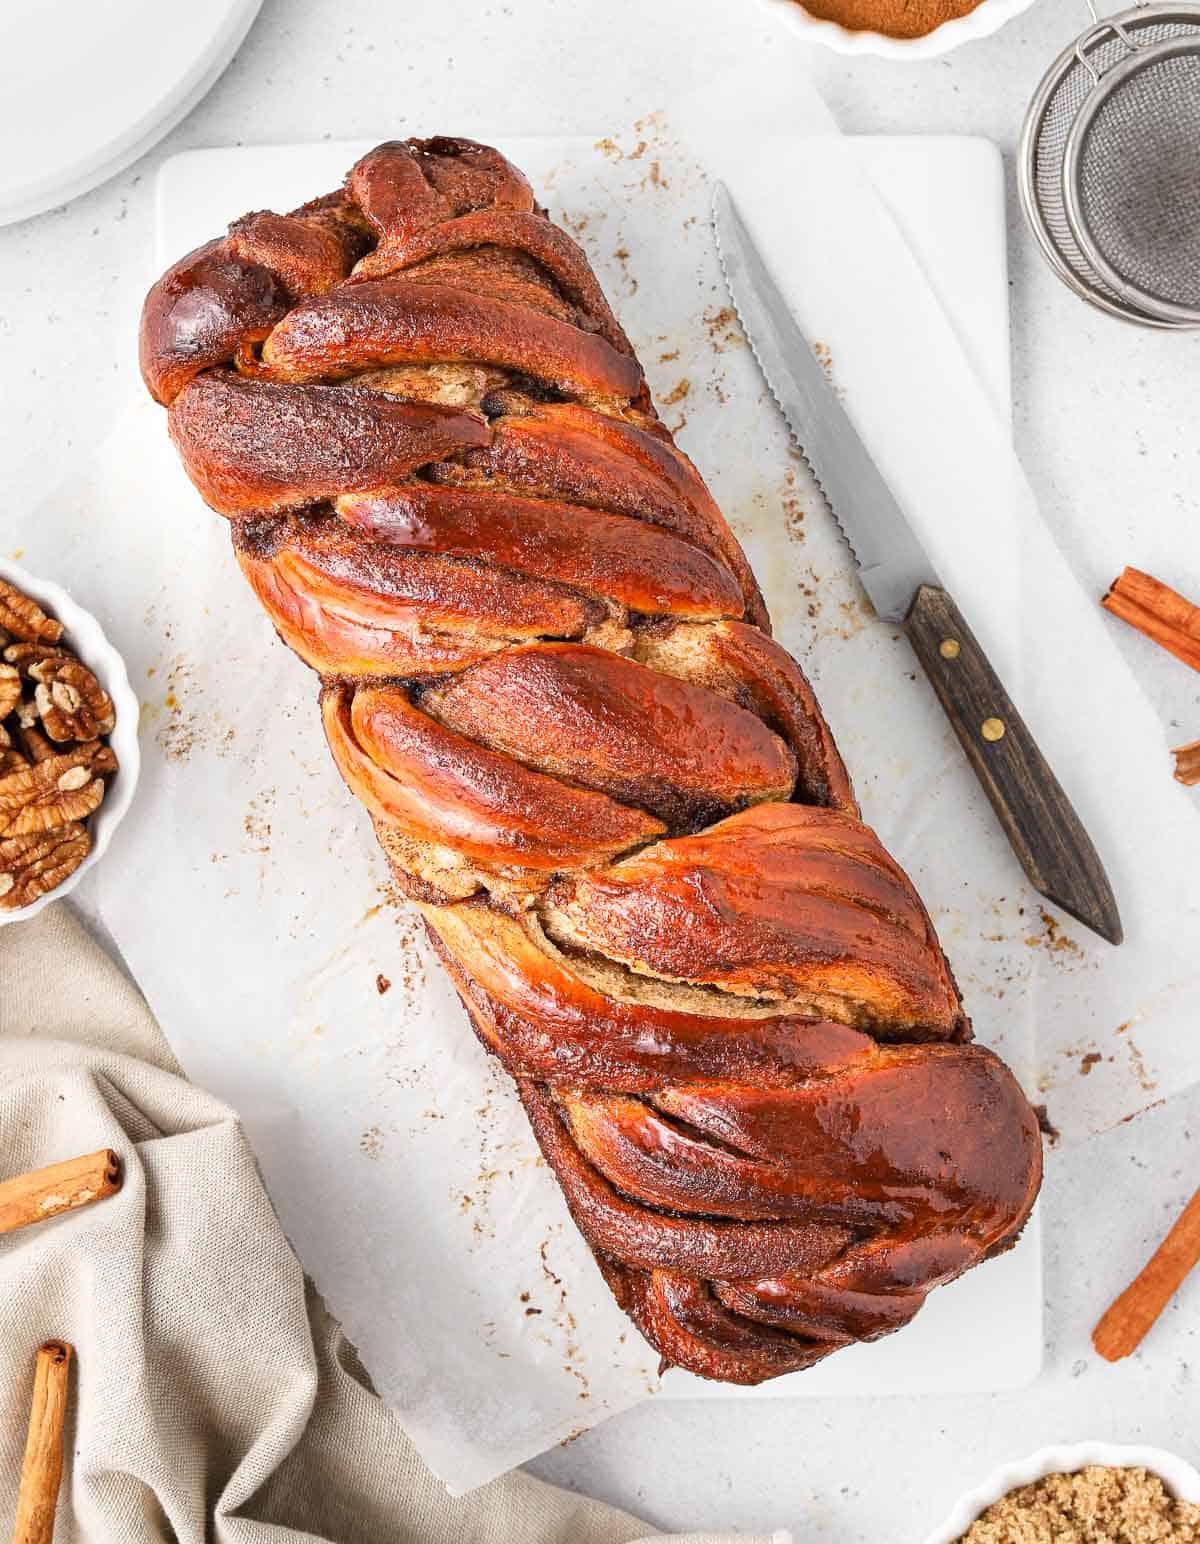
(86, 637)
(987, 17)
(1180, 1478)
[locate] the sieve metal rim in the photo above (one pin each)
(1180, 11)
(1027, 148)
(1142, 56)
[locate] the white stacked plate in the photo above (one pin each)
(86, 89)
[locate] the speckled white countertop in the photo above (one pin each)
(1105, 423)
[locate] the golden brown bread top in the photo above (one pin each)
(547, 673)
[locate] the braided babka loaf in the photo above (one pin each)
(547, 672)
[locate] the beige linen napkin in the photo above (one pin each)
(214, 1397)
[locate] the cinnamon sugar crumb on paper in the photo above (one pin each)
(182, 731)
(793, 509)
(677, 393)
(255, 823)
(1140, 1071)
(622, 256)
(564, 1321)
(1096, 1505)
(1046, 1126)
(723, 330)
(1052, 938)
(409, 932)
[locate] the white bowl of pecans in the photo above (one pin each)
(1087, 1490)
(68, 742)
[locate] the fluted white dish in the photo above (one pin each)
(85, 637)
(985, 19)
(1180, 1478)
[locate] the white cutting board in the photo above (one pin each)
(982, 1333)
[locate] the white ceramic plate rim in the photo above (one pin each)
(98, 164)
(86, 637)
(985, 19)
(1180, 1478)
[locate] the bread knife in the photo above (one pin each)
(1045, 832)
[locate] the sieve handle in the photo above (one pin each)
(1131, 45)
(1045, 832)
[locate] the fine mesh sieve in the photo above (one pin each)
(1109, 165)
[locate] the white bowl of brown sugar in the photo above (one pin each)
(894, 29)
(1093, 1492)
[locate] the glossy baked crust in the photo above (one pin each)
(547, 672)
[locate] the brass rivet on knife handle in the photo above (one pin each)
(41, 1470)
(949, 648)
(1045, 832)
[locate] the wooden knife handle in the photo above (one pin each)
(1045, 832)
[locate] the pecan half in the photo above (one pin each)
(34, 864)
(25, 654)
(54, 792)
(24, 618)
(70, 701)
(34, 743)
(10, 689)
(11, 761)
(103, 761)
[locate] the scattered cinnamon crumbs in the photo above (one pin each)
(723, 329)
(1095, 1505)
(1052, 938)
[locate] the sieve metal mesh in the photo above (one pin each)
(1139, 179)
(1149, 130)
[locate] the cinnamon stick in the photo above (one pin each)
(1123, 1327)
(41, 1471)
(1187, 764)
(59, 1188)
(1158, 611)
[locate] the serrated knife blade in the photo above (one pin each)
(1038, 818)
(891, 561)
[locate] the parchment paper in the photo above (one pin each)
(247, 895)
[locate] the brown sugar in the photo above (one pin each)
(1096, 1505)
(896, 18)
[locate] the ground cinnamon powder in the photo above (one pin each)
(896, 18)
